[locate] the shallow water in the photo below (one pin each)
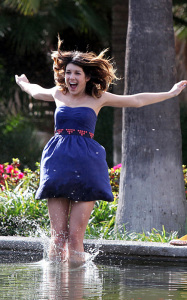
(44, 280)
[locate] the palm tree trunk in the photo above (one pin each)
(119, 31)
(152, 185)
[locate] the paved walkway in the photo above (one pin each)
(23, 249)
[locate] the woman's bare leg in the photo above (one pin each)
(79, 217)
(58, 214)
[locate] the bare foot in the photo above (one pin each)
(77, 259)
(57, 251)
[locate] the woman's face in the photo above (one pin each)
(75, 79)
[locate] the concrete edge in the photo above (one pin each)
(26, 249)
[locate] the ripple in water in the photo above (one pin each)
(45, 280)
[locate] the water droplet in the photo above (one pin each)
(153, 129)
(157, 149)
(78, 175)
(54, 170)
(97, 152)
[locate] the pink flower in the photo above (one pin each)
(5, 176)
(9, 168)
(117, 167)
(1, 168)
(20, 175)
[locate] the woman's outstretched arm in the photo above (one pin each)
(142, 99)
(35, 90)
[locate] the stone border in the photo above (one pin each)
(23, 249)
(126, 251)
(20, 249)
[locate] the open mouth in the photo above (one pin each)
(73, 86)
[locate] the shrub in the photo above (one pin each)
(18, 139)
(22, 214)
(185, 178)
(11, 176)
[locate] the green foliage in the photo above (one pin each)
(183, 121)
(185, 178)
(102, 220)
(103, 132)
(153, 236)
(180, 18)
(33, 24)
(26, 7)
(21, 214)
(18, 139)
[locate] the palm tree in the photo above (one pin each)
(152, 185)
(28, 32)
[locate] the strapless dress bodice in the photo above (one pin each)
(83, 118)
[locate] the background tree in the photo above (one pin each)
(152, 184)
(119, 31)
(180, 26)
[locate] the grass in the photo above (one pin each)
(21, 214)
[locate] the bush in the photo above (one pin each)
(18, 139)
(21, 214)
(185, 178)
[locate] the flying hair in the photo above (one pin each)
(99, 69)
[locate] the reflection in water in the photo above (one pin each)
(53, 281)
(73, 284)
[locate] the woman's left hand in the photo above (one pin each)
(178, 87)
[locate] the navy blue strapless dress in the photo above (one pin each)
(73, 165)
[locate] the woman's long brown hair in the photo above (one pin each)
(99, 69)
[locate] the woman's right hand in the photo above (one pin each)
(21, 80)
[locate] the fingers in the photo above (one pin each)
(20, 78)
(183, 83)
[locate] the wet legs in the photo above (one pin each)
(68, 224)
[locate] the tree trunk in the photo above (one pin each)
(152, 185)
(119, 31)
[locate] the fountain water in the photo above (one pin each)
(117, 270)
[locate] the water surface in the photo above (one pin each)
(44, 280)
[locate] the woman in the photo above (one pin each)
(74, 172)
